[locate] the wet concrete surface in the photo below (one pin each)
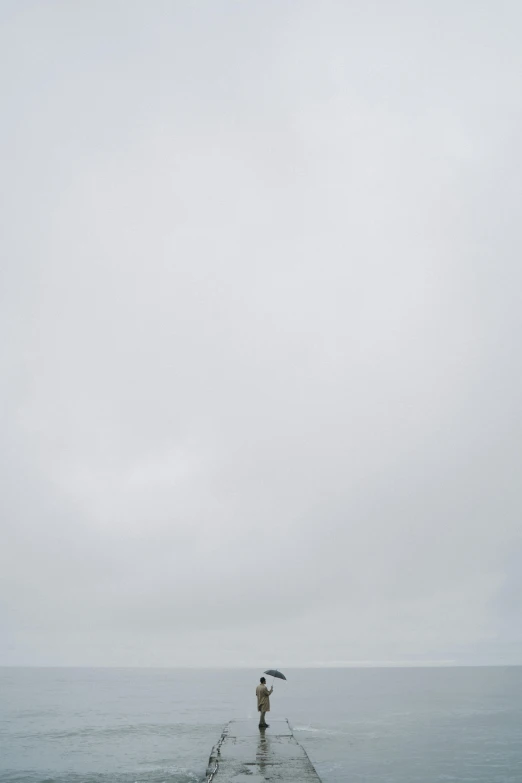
(247, 754)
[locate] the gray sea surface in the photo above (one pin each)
(413, 725)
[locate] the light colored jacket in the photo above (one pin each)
(263, 698)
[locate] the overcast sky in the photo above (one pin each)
(261, 332)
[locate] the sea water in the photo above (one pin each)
(413, 725)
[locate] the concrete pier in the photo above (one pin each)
(247, 754)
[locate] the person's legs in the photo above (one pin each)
(262, 721)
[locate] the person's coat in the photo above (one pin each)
(263, 698)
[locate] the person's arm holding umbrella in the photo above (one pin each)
(264, 689)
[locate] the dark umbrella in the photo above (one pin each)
(275, 673)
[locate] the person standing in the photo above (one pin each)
(263, 702)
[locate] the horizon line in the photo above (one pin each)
(302, 667)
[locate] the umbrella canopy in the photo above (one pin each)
(275, 673)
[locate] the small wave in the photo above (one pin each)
(170, 774)
(323, 732)
(306, 728)
(104, 732)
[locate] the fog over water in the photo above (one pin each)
(260, 313)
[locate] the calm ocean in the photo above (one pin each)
(155, 725)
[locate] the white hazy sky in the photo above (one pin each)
(260, 332)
